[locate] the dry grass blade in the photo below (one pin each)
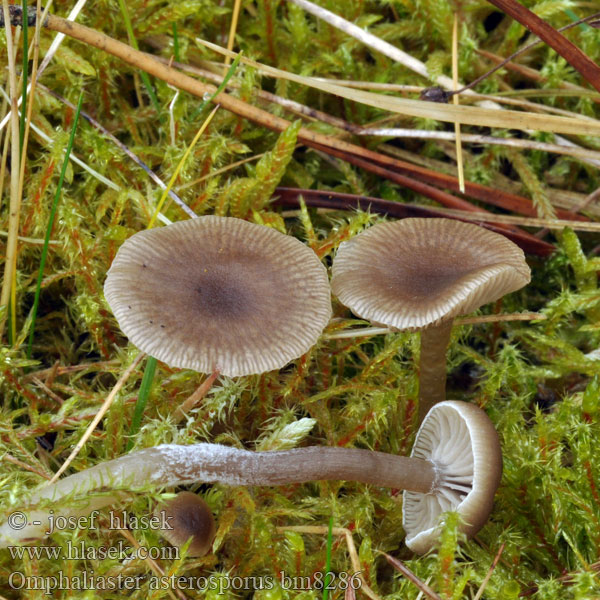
(459, 155)
(105, 406)
(53, 47)
(245, 110)
(8, 294)
(467, 115)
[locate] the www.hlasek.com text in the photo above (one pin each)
(82, 551)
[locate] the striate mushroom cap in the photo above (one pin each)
(219, 293)
(189, 516)
(414, 273)
(462, 443)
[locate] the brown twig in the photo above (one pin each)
(15, 461)
(489, 573)
(289, 197)
(571, 53)
(519, 52)
(182, 410)
(400, 566)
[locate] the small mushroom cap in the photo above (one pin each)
(190, 517)
(219, 293)
(463, 445)
(414, 273)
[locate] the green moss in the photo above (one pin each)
(538, 381)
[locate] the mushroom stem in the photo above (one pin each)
(171, 465)
(432, 366)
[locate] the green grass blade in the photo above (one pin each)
(61, 179)
(133, 41)
(142, 399)
(175, 42)
(328, 560)
(221, 87)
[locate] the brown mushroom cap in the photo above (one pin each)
(189, 516)
(415, 273)
(219, 293)
(463, 445)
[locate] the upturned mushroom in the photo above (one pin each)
(456, 465)
(219, 293)
(418, 274)
(187, 517)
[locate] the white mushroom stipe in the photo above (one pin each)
(456, 465)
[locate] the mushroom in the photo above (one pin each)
(418, 274)
(219, 293)
(460, 439)
(187, 516)
(456, 465)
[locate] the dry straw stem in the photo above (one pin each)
(105, 406)
(354, 559)
(53, 47)
(488, 575)
(9, 283)
(467, 115)
(180, 165)
(372, 130)
(369, 159)
(459, 154)
(372, 41)
(478, 320)
(231, 39)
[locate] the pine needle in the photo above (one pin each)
(459, 154)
